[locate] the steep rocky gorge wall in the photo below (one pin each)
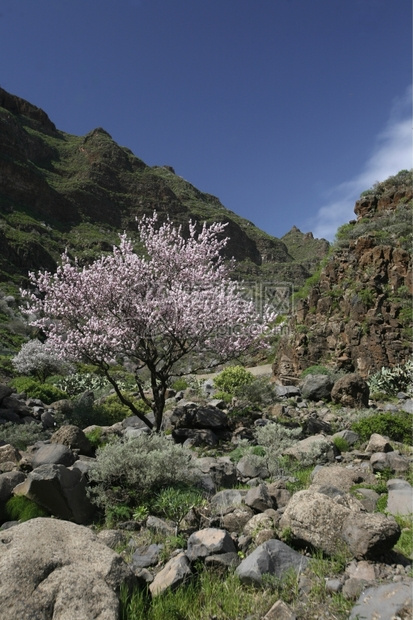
(358, 315)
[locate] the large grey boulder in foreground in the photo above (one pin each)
(389, 600)
(56, 570)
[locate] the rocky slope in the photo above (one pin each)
(355, 313)
(59, 190)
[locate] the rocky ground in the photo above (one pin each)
(263, 523)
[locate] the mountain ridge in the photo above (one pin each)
(59, 190)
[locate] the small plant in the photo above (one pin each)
(341, 444)
(140, 513)
(95, 437)
(21, 508)
(225, 396)
(175, 502)
(233, 377)
(180, 384)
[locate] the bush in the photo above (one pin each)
(259, 392)
(397, 426)
(315, 370)
(126, 472)
(22, 435)
(233, 377)
(39, 359)
(392, 380)
(45, 392)
(276, 438)
(80, 382)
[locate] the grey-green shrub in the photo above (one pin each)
(127, 471)
(392, 380)
(275, 438)
(22, 435)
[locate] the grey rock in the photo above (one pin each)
(61, 491)
(227, 500)
(378, 443)
(318, 448)
(280, 611)
(316, 387)
(369, 536)
(57, 570)
(197, 437)
(271, 558)
(174, 573)
(55, 453)
(400, 497)
(251, 466)
(287, 391)
(146, 556)
(223, 561)
(209, 541)
(221, 470)
(259, 499)
(5, 391)
(407, 405)
(350, 436)
(384, 601)
(236, 520)
(168, 528)
(195, 416)
(351, 391)
(73, 437)
(380, 461)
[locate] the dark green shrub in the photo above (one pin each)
(315, 370)
(397, 426)
(20, 508)
(45, 392)
(175, 502)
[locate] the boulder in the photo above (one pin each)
(316, 519)
(174, 573)
(56, 570)
(369, 536)
(217, 472)
(251, 466)
(317, 449)
(280, 611)
(55, 453)
(61, 491)
(389, 600)
(146, 556)
(191, 415)
(209, 541)
(381, 461)
(227, 500)
(9, 454)
(378, 443)
(317, 387)
(271, 558)
(342, 477)
(351, 391)
(73, 437)
(400, 498)
(259, 498)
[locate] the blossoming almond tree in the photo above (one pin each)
(149, 310)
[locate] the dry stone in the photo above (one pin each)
(61, 491)
(400, 498)
(73, 437)
(271, 558)
(174, 573)
(369, 536)
(56, 570)
(209, 541)
(351, 391)
(389, 600)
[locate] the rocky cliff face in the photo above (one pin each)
(356, 313)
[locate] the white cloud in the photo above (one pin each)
(392, 153)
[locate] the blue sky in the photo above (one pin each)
(285, 109)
